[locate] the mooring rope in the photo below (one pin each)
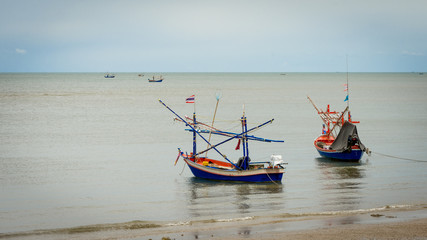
(271, 179)
(401, 158)
(185, 163)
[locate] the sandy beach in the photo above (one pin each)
(390, 224)
(386, 224)
(415, 229)
(406, 229)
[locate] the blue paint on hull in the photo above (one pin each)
(249, 178)
(354, 155)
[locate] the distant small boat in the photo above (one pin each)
(109, 75)
(156, 79)
(140, 75)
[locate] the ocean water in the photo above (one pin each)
(78, 149)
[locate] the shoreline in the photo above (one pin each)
(381, 224)
(386, 224)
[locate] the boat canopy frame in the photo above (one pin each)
(243, 136)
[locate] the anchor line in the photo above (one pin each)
(183, 168)
(271, 179)
(401, 158)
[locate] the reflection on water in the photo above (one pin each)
(345, 169)
(348, 172)
(342, 183)
(209, 199)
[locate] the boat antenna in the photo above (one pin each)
(243, 108)
(348, 88)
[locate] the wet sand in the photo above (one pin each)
(415, 229)
(387, 224)
(381, 225)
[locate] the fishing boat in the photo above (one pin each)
(108, 75)
(156, 79)
(242, 170)
(344, 146)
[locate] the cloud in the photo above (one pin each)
(21, 51)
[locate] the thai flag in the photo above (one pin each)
(190, 99)
(345, 87)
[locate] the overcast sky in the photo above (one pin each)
(213, 36)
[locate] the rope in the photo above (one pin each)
(401, 158)
(183, 168)
(271, 179)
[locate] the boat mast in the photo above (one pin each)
(348, 91)
(194, 134)
(245, 160)
(218, 96)
(195, 126)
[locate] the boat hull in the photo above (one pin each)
(150, 80)
(322, 144)
(255, 175)
(352, 156)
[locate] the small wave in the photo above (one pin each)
(183, 223)
(234, 219)
(178, 224)
(346, 212)
(86, 229)
(134, 225)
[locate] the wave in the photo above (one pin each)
(86, 229)
(351, 212)
(134, 225)
(210, 221)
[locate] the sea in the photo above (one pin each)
(78, 149)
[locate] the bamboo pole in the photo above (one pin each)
(337, 123)
(213, 120)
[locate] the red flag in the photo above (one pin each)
(238, 145)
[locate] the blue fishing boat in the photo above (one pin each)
(108, 75)
(156, 79)
(242, 170)
(344, 146)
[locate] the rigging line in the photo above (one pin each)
(271, 179)
(234, 127)
(226, 120)
(401, 158)
(183, 168)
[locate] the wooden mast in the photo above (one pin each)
(218, 96)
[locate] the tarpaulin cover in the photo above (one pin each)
(346, 138)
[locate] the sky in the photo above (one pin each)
(213, 36)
